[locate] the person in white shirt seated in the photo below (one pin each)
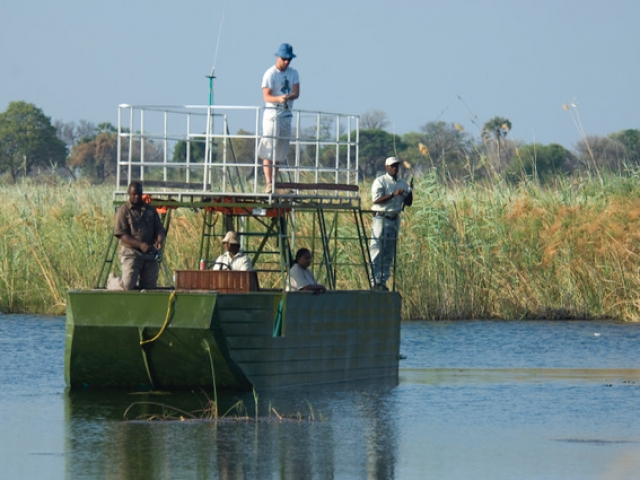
(300, 278)
(233, 258)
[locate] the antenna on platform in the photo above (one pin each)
(211, 76)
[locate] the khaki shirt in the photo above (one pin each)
(142, 223)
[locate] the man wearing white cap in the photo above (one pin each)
(390, 194)
(280, 87)
(233, 258)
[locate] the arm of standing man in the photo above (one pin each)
(160, 232)
(122, 230)
(270, 98)
(400, 191)
(130, 241)
(159, 241)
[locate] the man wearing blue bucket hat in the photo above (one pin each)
(280, 87)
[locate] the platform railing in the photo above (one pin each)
(178, 150)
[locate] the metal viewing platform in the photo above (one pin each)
(205, 159)
(194, 154)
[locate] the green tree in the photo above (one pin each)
(96, 158)
(107, 127)
(245, 149)
(375, 146)
(541, 162)
(28, 139)
(604, 152)
(94, 155)
(443, 146)
(195, 148)
(631, 140)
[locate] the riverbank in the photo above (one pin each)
(476, 251)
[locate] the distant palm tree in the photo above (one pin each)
(498, 128)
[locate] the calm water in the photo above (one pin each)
(476, 400)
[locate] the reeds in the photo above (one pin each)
(569, 250)
(51, 239)
(565, 252)
(209, 411)
(54, 238)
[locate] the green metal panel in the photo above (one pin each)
(140, 309)
(105, 328)
(338, 337)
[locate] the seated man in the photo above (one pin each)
(141, 234)
(233, 258)
(300, 278)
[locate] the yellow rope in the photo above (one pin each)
(166, 320)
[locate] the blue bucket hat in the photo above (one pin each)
(285, 51)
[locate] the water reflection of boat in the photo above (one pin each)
(240, 329)
(353, 435)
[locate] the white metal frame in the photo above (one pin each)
(148, 135)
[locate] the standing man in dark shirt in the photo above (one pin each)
(141, 234)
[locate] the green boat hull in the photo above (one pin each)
(192, 339)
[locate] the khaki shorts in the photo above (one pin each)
(276, 136)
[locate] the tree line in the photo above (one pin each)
(31, 145)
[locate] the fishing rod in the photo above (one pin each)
(211, 76)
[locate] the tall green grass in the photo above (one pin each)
(51, 239)
(472, 251)
(507, 252)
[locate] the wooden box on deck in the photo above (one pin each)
(223, 281)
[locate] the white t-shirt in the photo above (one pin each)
(280, 83)
(299, 277)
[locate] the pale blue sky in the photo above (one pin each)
(418, 61)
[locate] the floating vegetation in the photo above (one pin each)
(150, 411)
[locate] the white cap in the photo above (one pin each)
(392, 161)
